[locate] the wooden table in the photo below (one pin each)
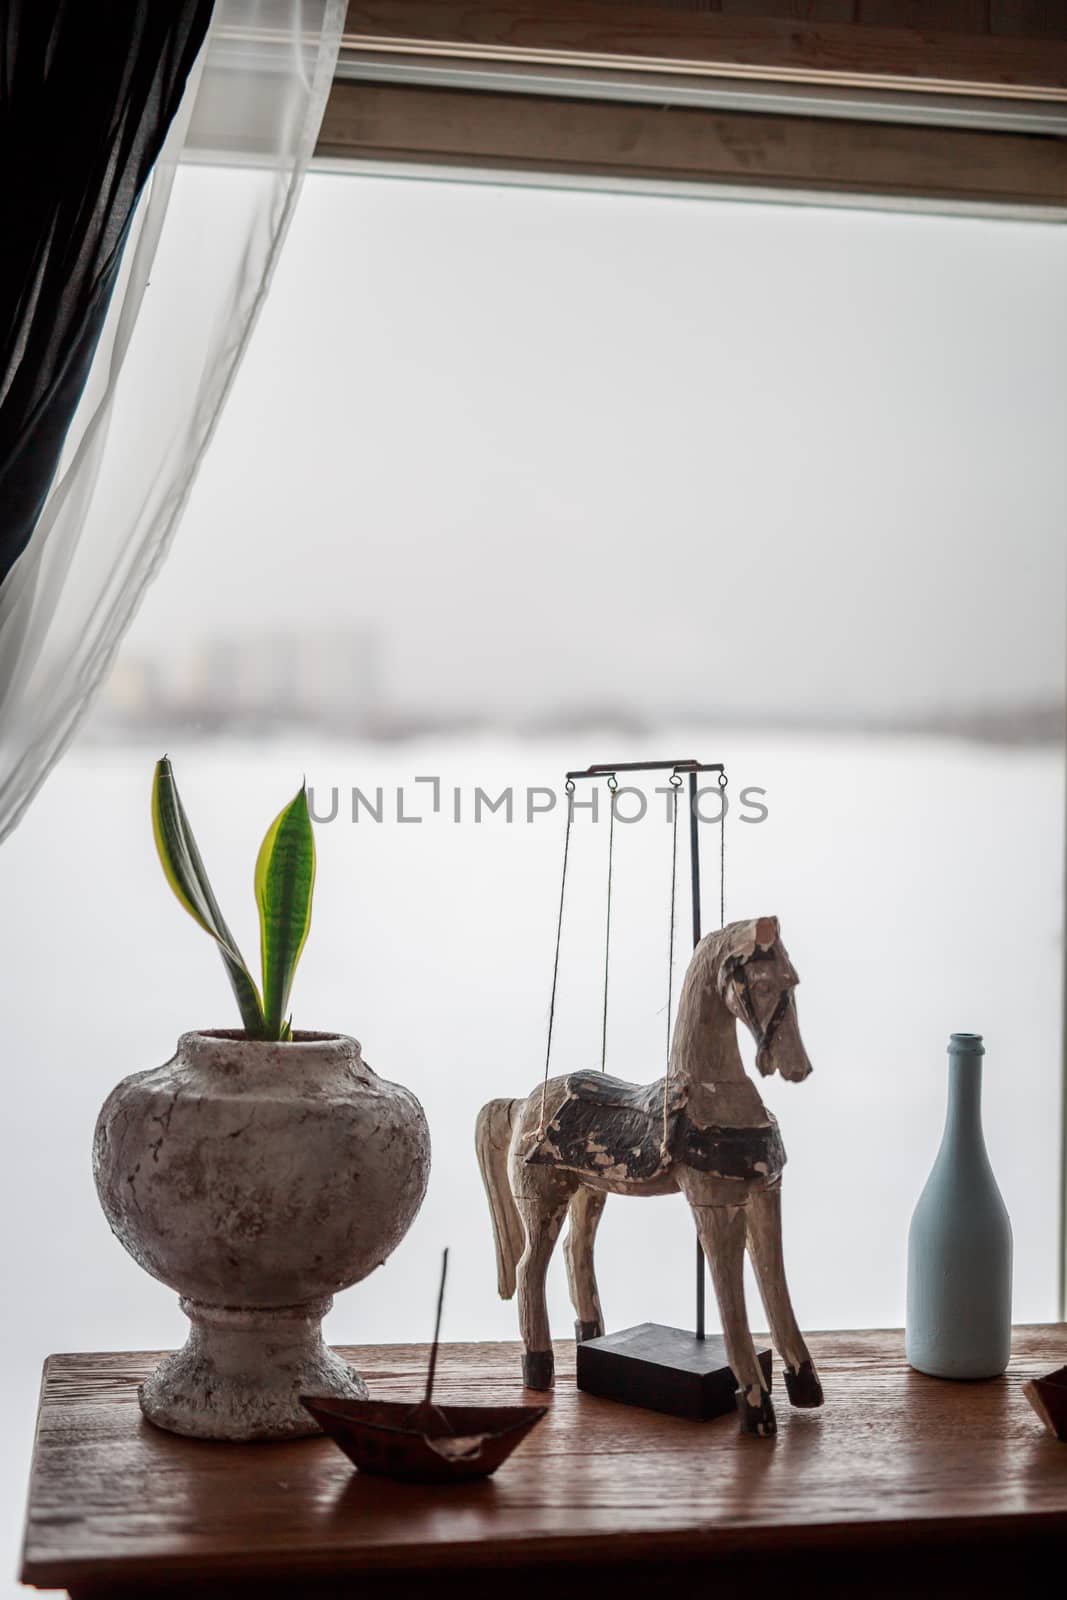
(900, 1484)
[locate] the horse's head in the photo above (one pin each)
(756, 980)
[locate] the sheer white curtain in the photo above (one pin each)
(177, 328)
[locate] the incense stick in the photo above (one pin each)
(436, 1331)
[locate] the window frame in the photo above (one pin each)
(645, 94)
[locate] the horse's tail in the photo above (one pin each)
(492, 1138)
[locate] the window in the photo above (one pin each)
(570, 478)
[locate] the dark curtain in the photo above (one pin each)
(88, 89)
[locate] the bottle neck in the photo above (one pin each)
(963, 1118)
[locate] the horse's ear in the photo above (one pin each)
(745, 938)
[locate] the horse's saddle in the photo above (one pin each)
(615, 1130)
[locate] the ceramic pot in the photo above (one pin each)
(257, 1179)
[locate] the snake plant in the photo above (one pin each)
(284, 881)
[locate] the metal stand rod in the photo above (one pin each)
(693, 768)
(694, 880)
(694, 856)
(605, 769)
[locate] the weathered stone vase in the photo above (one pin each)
(257, 1179)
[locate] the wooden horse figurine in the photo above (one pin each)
(703, 1130)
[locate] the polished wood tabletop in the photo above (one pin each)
(899, 1480)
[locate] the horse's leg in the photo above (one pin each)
(542, 1212)
(765, 1245)
(722, 1235)
(585, 1212)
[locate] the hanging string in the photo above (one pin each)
(613, 784)
(568, 790)
(722, 851)
(676, 784)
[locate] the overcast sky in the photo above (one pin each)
(567, 448)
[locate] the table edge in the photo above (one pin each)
(549, 1551)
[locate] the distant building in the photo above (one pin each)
(329, 678)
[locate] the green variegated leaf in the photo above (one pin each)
(285, 879)
(186, 875)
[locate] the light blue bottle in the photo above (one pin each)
(959, 1246)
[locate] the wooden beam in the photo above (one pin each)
(527, 133)
(1024, 58)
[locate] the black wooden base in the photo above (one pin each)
(663, 1369)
